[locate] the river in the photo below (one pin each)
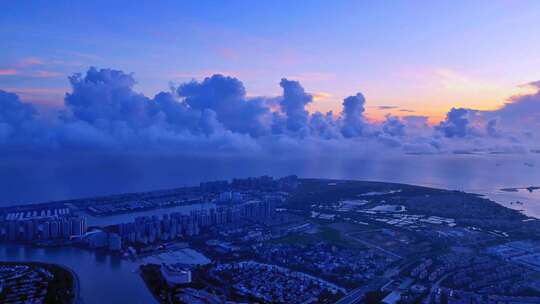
(103, 278)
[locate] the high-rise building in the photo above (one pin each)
(45, 231)
(115, 242)
(55, 229)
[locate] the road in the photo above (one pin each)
(435, 287)
(358, 294)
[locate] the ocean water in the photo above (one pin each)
(45, 179)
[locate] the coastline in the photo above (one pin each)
(55, 267)
(76, 288)
(100, 277)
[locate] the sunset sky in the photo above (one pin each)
(406, 57)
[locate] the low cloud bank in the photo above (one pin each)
(103, 113)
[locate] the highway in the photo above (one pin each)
(358, 294)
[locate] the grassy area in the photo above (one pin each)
(330, 235)
(325, 234)
(297, 239)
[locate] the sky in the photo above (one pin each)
(100, 97)
(423, 56)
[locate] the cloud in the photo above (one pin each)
(321, 96)
(45, 74)
(106, 109)
(353, 115)
(521, 111)
(491, 128)
(532, 84)
(324, 125)
(104, 97)
(387, 107)
(456, 123)
(293, 104)
(103, 112)
(16, 119)
(8, 72)
(30, 61)
(29, 73)
(13, 110)
(226, 96)
(516, 121)
(393, 126)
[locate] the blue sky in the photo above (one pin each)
(421, 55)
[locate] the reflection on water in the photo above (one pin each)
(103, 278)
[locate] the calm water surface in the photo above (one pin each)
(103, 279)
(56, 179)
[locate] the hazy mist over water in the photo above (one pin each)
(46, 178)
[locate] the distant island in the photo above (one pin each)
(530, 189)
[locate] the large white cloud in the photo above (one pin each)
(103, 111)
